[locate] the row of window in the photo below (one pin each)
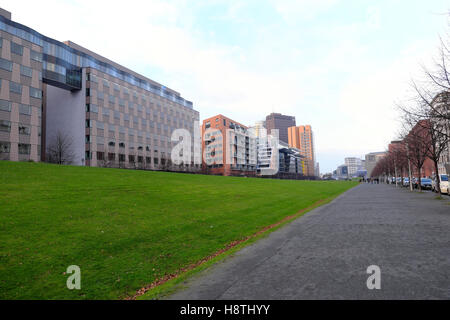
(24, 148)
(5, 126)
(131, 131)
(121, 157)
(24, 109)
(156, 90)
(17, 88)
(140, 107)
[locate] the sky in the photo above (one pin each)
(338, 65)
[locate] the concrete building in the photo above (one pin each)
(342, 172)
(290, 160)
(229, 148)
(353, 164)
(371, 161)
(302, 138)
(280, 122)
(112, 115)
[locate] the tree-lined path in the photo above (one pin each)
(325, 254)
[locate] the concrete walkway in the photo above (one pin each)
(325, 254)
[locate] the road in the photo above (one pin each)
(325, 254)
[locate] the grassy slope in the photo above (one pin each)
(127, 228)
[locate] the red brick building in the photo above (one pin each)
(220, 133)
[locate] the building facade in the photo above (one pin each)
(302, 138)
(353, 164)
(281, 123)
(229, 147)
(111, 115)
(371, 160)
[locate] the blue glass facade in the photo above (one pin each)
(62, 64)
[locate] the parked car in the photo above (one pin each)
(426, 183)
(443, 180)
(406, 182)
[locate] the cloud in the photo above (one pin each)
(294, 10)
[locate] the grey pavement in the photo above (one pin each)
(325, 253)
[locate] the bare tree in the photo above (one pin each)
(430, 107)
(60, 149)
(416, 145)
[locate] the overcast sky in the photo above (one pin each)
(336, 65)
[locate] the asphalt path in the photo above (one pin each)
(325, 254)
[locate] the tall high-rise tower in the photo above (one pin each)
(302, 138)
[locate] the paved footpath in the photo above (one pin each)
(325, 254)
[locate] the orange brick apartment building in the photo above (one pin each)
(301, 137)
(218, 132)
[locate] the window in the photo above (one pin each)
(111, 128)
(111, 144)
(88, 155)
(100, 95)
(91, 108)
(24, 148)
(23, 129)
(88, 124)
(36, 56)
(100, 156)
(116, 115)
(88, 138)
(25, 109)
(16, 48)
(131, 158)
(148, 159)
(100, 140)
(35, 93)
(4, 147)
(112, 99)
(121, 157)
(122, 130)
(130, 132)
(105, 112)
(100, 125)
(111, 156)
(5, 125)
(5, 64)
(1, 42)
(224, 122)
(15, 87)
(88, 92)
(5, 105)
(121, 144)
(155, 160)
(25, 71)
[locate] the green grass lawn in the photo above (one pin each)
(126, 228)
